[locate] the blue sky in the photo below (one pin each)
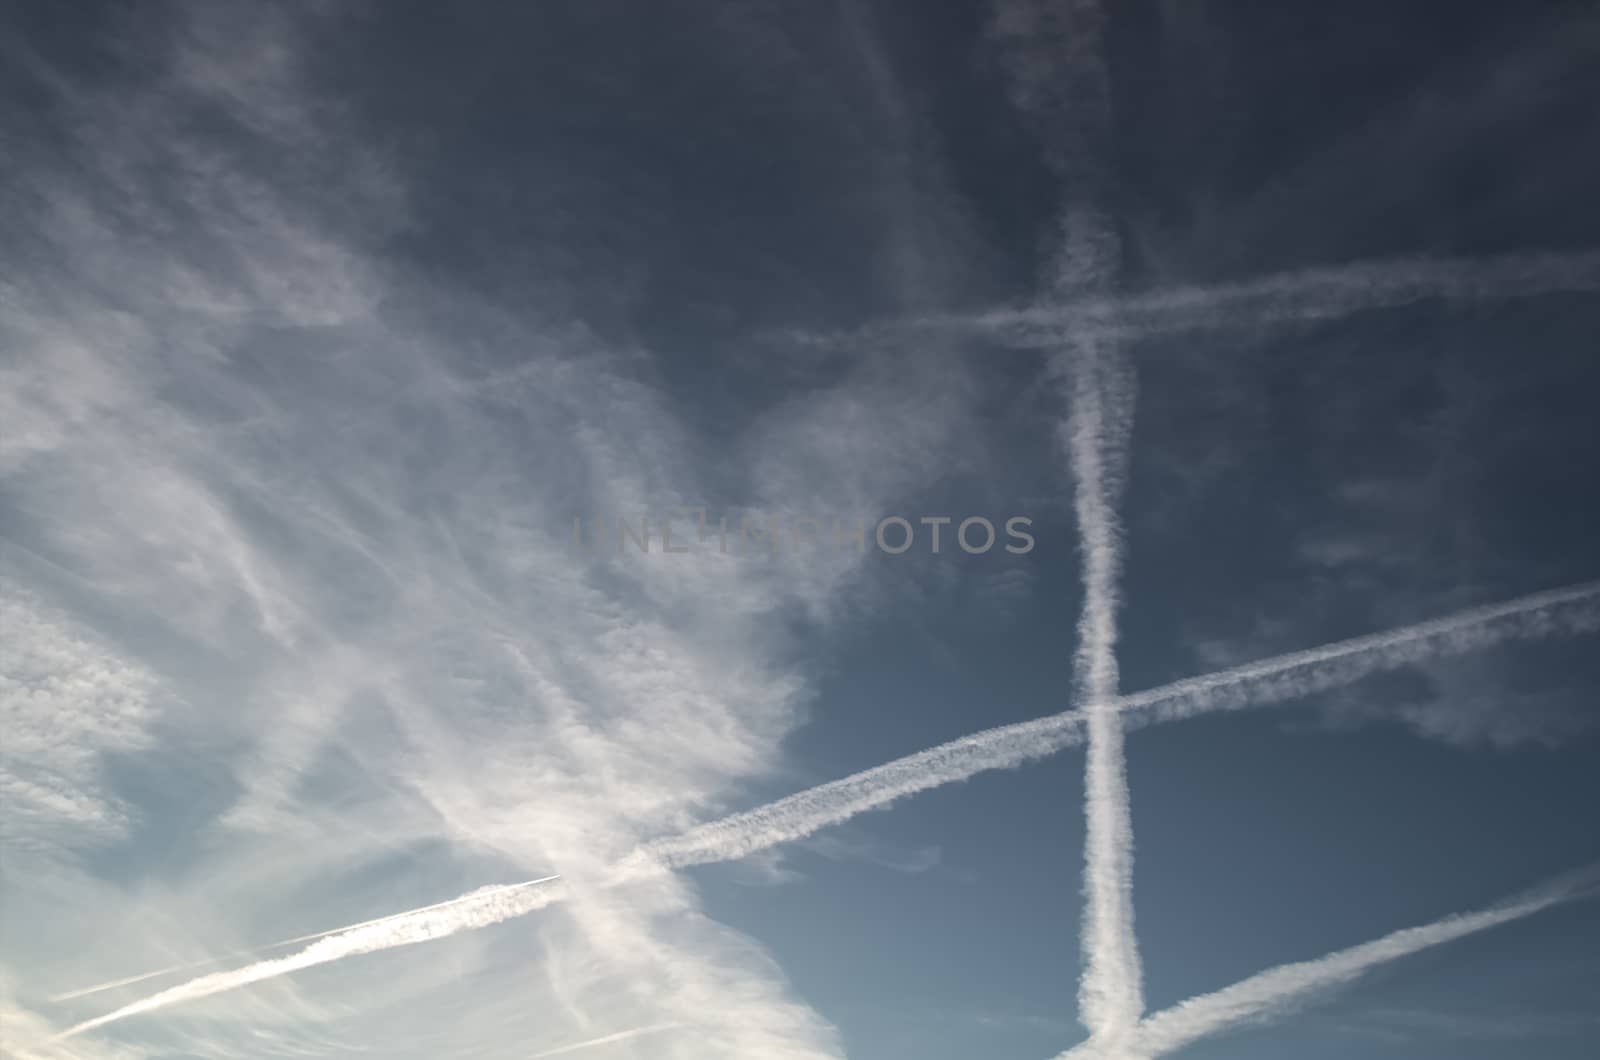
(321, 325)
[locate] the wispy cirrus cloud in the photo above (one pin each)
(343, 496)
(67, 699)
(312, 497)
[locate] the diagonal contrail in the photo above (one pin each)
(1570, 610)
(490, 905)
(1273, 992)
(470, 897)
(1567, 610)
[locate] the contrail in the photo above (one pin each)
(620, 1036)
(490, 905)
(1572, 609)
(473, 896)
(1060, 79)
(1272, 992)
(1300, 297)
(1569, 610)
(1110, 993)
(1297, 297)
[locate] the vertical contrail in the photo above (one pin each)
(1110, 993)
(1061, 80)
(1056, 52)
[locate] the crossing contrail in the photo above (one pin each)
(1570, 610)
(1272, 992)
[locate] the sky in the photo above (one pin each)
(469, 484)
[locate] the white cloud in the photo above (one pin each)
(66, 700)
(341, 531)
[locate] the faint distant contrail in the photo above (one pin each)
(1304, 296)
(620, 1036)
(489, 905)
(1272, 992)
(1574, 609)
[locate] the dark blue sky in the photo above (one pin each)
(320, 323)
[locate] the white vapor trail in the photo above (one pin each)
(620, 1036)
(1272, 992)
(1110, 993)
(1569, 610)
(489, 905)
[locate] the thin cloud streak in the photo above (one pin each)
(1274, 991)
(1569, 610)
(620, 1036)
